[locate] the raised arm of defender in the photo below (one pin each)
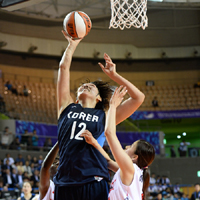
(129, 106)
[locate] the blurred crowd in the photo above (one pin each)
(14, 172)
(24, 141)
(160, 188)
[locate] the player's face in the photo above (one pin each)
(88, 89)
(130, 150)
(26, 188)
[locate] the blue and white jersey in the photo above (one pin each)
(79, 162)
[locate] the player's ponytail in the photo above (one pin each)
(146, 178)
(146, 155)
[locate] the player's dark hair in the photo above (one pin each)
(105, 92)
(146, 155)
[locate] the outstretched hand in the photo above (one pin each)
(118, 96)
(71, 40)
(88, 137)
(110, 67)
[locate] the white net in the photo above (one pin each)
(125, 14)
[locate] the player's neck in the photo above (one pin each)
(27, 196)
(87, 103)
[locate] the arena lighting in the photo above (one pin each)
(178, 136)
(198, 173)
(184, 133)
(164, 141)
(11, 5)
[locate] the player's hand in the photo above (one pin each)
(110, 67)
(70, 40)
(88, 137)
(118, 96)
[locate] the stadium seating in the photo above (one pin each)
(41, 103)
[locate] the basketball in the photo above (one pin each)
(77, 24)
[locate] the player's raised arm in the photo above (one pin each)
(122, 158)
(45, 170)
(129, 106)
(63, 82)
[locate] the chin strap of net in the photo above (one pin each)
(125, 14)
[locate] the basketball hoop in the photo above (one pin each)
(127, 13)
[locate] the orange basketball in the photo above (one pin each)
(77, 24)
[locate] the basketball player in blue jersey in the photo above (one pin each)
(82, 172)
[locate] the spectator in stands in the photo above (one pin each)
(164, 195)
(155, 102)
(8, 157)
(34, 141)
(165, 180)
(172, 152)
(26, 140)
(24, 137)
(40, 161)
(26, 189)
(5, 167)
(47, 144)
(35, 161)
(35, 178)
(15, 144)
(158, 179)
(6, 138)
(196, 194)
(14, 166)
(152, 179)
(184, 197)
(20, 158)
(2, 105)
(8, 85)
(8, 179)
(177, 189)
(29, 158)
(20, 179)
(15, 178)
(170, 195)
(183, 148)
(27, 169)
(159, 196)
(32, 168)
(20, 167)
(159, 187)
(25, 91)
(152, 189)
(176, 196)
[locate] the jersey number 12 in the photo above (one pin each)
(77, 136)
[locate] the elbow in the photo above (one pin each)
(107, 132)
(140, 98)
(61, 65)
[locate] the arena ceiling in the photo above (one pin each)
(171, 23)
